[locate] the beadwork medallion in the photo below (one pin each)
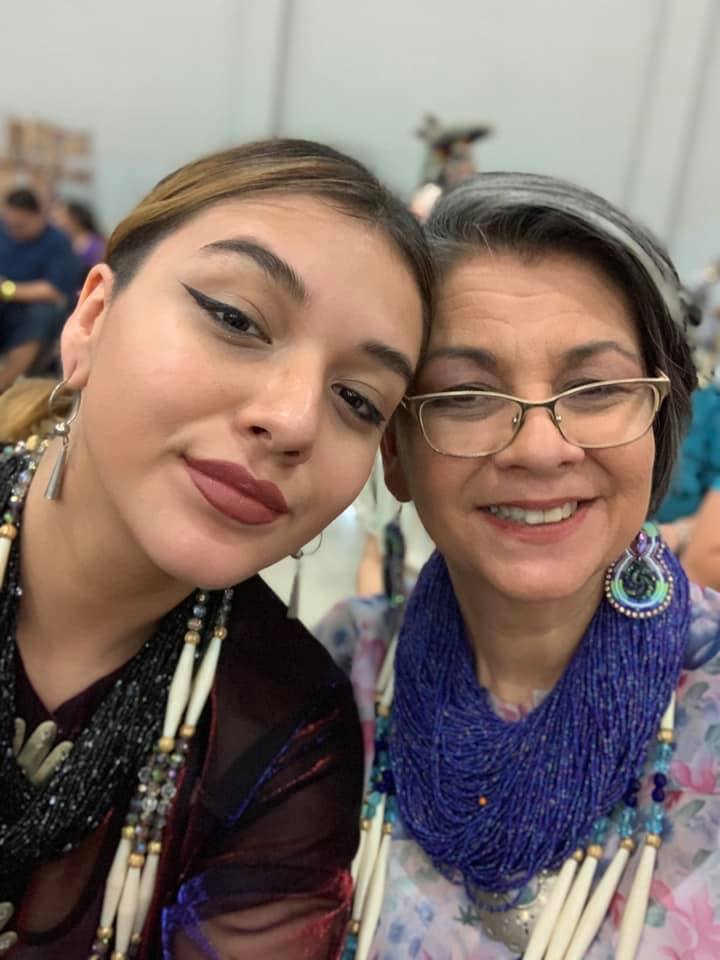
(640, 584)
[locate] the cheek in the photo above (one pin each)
(147, 377)
(337, 477)
(437, 485)
(631, 469)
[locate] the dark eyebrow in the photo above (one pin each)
(483, 358)
(587, 351)
(274, 266)
(389, 357)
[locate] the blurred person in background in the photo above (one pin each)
(39, 279)
(78, 221)
(689, 517)
(376, 508)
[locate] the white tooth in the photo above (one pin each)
(504, 512)
(516, 513)
(553, 516)
(569, 509)
(533, 516)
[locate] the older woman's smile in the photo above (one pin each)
(539, 523)
(534, 513)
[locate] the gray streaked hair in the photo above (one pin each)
(532, 216)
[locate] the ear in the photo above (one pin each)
(395, 479)
(83, 326)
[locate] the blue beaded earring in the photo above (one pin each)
(640, 584)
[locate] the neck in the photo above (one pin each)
(81, 568)
(521, 647)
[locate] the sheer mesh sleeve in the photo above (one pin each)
(271, 880)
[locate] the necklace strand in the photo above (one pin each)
(38, 823)
(574, 911)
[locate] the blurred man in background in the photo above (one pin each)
(39, 276)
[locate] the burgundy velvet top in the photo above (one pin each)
(256, 856)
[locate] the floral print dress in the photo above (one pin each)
(426, 917)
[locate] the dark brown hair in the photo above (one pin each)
(280, 166)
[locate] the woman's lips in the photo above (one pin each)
(235, 492)
(543, 533)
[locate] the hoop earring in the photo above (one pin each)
(640, 585)
(293, 610)
(61, 430)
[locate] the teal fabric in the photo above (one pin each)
(698, 470)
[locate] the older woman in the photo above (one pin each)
(181, 764)
(547, 737)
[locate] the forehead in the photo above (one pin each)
(297, 223)
(506, 303)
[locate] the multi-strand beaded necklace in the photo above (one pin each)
(142, 731)
(491, 817)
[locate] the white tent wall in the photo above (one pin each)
(620, 96)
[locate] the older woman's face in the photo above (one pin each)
(234, 394)
(531, 330)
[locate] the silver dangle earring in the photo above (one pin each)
(61, 430)
(293, 610)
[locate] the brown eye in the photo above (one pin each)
(360, 405)
(227, 316)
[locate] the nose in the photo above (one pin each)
(284, 411)
(539, 446)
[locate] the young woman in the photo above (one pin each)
(181, 764)
(547, 738)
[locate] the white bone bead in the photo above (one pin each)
(114, 884)
(668, 718)
(540, 937)
(127, 910)
(358, 859)
(596, 910)
(5, 546)
(147, 889)
(367, 867)
(375, 894)
(203, 682)
(179, 690)
(568, 919)
(633, 919)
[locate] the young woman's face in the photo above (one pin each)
(530, 330)
(235, 392)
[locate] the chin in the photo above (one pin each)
(547, 581)
(200, 562)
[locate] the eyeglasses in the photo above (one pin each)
(477, 423)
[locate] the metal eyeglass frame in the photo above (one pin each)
(660, 385)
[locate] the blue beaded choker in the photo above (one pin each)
(493, 803)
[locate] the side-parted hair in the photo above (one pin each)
(533, 216)
(278, 166)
